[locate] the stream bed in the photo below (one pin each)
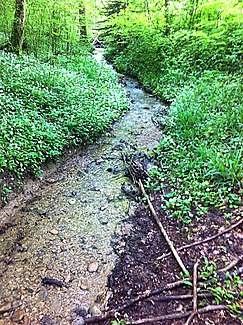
(67, 230)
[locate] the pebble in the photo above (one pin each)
(18, 316)
(46, 320)
(80, 321)
(43, 294)
(93, 267)
(94, 311)
(57, 306)
(72, 201)
(54, 231)
(104, 207)
(5, 307)
(84, 286)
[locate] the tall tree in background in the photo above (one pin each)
(82, 21)
(17, 35)
(166, 17)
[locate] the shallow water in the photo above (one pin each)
(67, 230)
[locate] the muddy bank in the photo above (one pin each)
(66, 230)
(142, 268)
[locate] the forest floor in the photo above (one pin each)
(141, 269)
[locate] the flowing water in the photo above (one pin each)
(66, 232)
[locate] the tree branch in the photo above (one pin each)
(163, 231)
(205, 240)
(176, 315)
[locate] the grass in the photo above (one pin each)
(46, 107)
(201, 153)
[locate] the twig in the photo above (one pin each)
(232, 264)
(195, 286)
(183, 297)
(224, 277)
(176, 315)
(164, 233)
(150, 293)
(205, 240)
(194, 312)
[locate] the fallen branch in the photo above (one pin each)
(194, 312)
(150, 293)
(163, 231)
(232, 264)
(176, 315)
(183, 297)
(204, 240)
(225, 277)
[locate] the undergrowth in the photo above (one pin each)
(45, 107)
(200, 158)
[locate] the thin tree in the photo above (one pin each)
(17, 35)
(82, 21)
(166, 10)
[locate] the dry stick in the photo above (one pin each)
(232, 264)
(176, 315)
(194, 312)
(164, 233)
(183, 297)
(147, 294)
(205, 240)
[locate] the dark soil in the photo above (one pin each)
(139, 268)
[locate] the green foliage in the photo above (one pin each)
(45, 108)
(51, 27)
(200, 158)
(226, 292)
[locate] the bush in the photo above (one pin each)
(46, 107)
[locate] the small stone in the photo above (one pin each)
(112, 197)
(179, 308)
(57, 306)
(51, 180)
(104, 222)
(84, 286)
(5, 307)
(93, 267)
(69, 278)
(104, 207)
(18, 316)
(80, 311)
(43, 294)
(72, 201)
(94, 311)
(80, 321)
(99, 161)
(54, 231)
(46, 320)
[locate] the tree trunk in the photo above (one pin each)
(82, 22)
(166, 10)
(17, 35)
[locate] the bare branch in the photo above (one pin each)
(162, 229)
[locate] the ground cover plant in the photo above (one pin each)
(46, 107)
(199, 161)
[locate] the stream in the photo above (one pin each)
(57, 253)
